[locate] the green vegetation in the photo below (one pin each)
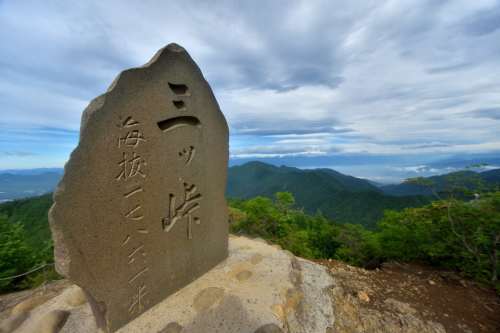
(25, 243)
(342, 198)
(16, 256)
(277, 221)
(32, 215)
(460, 230)
(453, 234)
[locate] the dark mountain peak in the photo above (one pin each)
(267, 166)
(338, 196)
(328, 177)
(255, 165)
(492, 176)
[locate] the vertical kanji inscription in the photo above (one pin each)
(133, 168)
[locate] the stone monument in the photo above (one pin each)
(140, 211)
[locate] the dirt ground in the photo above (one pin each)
(459, 305)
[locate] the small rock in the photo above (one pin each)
(363, 296)
(243, 275)
(207, 297)
(13, 322)
(464, 328)
(30, 303)
(53, 321)
(75, 296)
(400, 307)
(432, 283)
(172, 327)
(269, 328)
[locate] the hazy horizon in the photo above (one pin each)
(384, 174)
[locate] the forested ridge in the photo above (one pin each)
(339, 197)
(459, 231)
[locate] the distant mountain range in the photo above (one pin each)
(37, 171)
(345, 199)
(22, 185)
(468, 179)
(462, 162)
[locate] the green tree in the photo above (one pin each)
(450, 233)
(475, 224)
(15, 255)
(284, 201)
(358, 246)
(278, 221)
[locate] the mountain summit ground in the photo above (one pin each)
(261, 288)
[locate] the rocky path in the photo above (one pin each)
(410, 298)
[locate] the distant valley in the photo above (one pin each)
(14, 185)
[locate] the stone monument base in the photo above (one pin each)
(259, 288)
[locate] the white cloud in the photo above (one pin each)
(385, 77)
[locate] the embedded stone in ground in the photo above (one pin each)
(172, 328)
(207, 297)
(243, 275)
(53, 321)
(269, 328)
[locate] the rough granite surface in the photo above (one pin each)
(258, 288)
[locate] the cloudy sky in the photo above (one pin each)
(358, 86)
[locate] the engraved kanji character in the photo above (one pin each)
(135, 190)
(187, 154)
(132, 139)
(136, 276)
(137, 303)
(189, 204)
(128, 122)
(138, 251)
(131, 166)
(135, 213)
(126, 240)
